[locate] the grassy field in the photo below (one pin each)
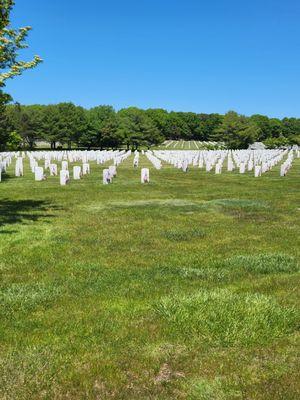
(186, 288)
(189, 145)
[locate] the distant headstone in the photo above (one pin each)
(242, 168)
(19, 167)
(53, 169)
(218, 168)
(257, 171)
(64, 165)
(64, 177)
(76, 172)
(257, 146)
(112, 170)
(39, 173)
(145, 175)
(85, 168)
(185, 165)
(106, 177)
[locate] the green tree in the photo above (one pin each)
(102, 128)
(11, 41)
(176, 128)
(263, 123)
(72, 123)
(14, 141)
(26, 122)
(237, 131)
(273, 143)
(50, 128)
(159, 117)
(137, 129)
(4, 121)
(276, 127)
(291, 129)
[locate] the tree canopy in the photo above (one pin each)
(11, 41)
(103, 127)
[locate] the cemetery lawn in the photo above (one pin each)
(186, 288)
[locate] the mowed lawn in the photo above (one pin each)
(187, 145)
(186, 288)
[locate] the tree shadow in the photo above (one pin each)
(14, 212)
(5, 176)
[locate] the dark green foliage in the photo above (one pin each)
(137, 129)
(275, 142)
(26, 121)
(103, 127)
(237, 131)
(4, 121)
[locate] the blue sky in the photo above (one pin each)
(201, 56)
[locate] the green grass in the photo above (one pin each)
(186, 288)
(190, 145)
(222, 318)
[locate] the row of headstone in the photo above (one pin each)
(100, 156)
(19, 168)
(136, 159)
(284, 168)
(64, 157)
(258, 161)
(242, 160)
(5, 161)
(168, 143)
(153, 159)
(119, 158)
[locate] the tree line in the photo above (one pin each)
(71, 126)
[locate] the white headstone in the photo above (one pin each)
(19, 167)
(53, 169)
(112, 170)
(85, 168)
(64, 165)
(106, 177)
(218, 168)
(185, 165)
(64, 177)
(145, 175)
(39, 173)
(257, 171)
(76, 172)
(242, 168)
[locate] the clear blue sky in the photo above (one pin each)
(184, 55)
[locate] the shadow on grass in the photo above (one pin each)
(22, 211)
(5, 176)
